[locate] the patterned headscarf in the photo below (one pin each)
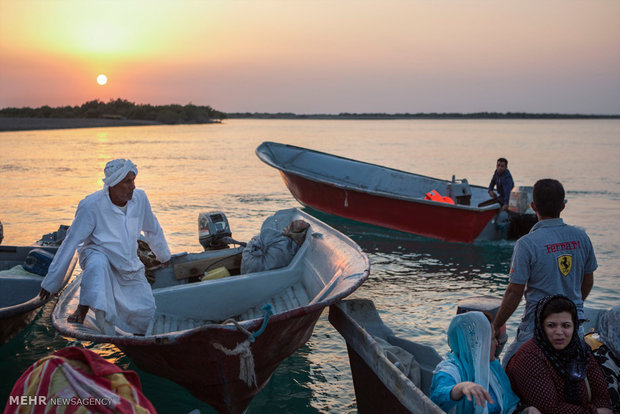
(571, 362)
(116, 170)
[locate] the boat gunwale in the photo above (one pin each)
(344, 186)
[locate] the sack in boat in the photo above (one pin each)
(269, 250)
(297, 231)
(403, 360)
(148, 259)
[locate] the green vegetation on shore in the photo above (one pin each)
(122, 109)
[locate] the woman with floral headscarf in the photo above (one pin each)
(555, 370)
(470, 379)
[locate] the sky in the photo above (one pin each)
(315, 56)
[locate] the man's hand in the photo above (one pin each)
(492, 194)
(44, 294)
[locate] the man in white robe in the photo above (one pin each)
(105, 232)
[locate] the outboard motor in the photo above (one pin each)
(489, 305)
(214, 232)
(521, 200)
(522, 217)
(54, 238)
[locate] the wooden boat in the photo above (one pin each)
(387, 197)
(226, 363)
(19, 296)
(377, 356)
(380, 385)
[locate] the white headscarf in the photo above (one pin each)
(116, 170)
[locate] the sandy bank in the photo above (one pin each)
(24, 124)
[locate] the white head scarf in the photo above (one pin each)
(116, 170)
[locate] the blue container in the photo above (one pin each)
(38, 261)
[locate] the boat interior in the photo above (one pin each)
(183, 306)
(18, 285)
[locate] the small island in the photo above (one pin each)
(96, 113)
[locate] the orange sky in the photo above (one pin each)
(319, 56)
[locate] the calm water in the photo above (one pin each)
(415, 282)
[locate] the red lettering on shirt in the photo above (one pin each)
(558, 247)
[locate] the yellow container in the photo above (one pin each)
(217, 273)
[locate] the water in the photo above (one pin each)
(415, 282)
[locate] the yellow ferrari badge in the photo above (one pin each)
(565, 264)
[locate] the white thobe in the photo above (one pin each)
(113, 281)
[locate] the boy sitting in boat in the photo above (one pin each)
(502, 180)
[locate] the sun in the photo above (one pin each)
(102, 79)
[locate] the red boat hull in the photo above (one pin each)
(210, 375)
(431, 219)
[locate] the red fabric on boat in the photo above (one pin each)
(77, 380)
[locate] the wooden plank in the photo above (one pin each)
(198, 267)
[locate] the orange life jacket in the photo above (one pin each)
(435, 196)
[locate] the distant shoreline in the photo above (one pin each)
(28, 124)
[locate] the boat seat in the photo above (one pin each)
(162, 323)
(294, 296)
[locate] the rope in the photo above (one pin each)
(247, 372)
(268, 312)
(246, 361)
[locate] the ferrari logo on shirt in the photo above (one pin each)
(565, 264)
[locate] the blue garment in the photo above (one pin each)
(469, 337)
(504, 184)
(443, 383)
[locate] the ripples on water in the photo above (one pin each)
(415, 282)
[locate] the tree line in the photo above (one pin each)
(122, 109)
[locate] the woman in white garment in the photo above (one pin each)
(105, 232)
(470, 379)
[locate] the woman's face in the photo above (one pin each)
(559, 329)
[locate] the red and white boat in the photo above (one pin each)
(386, 197)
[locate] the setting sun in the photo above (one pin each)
(102, 79)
